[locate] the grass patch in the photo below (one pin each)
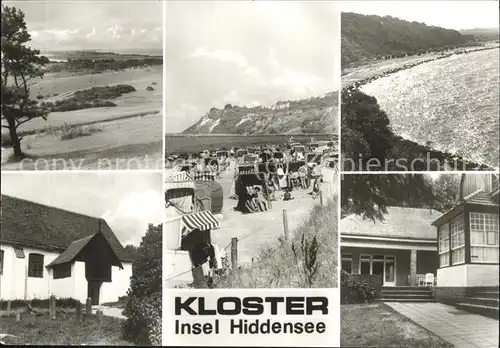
(378, 325)
(71, 132)
(308, 260)
(64, 330)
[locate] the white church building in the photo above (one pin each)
(48, 251)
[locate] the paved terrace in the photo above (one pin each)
(461, 328)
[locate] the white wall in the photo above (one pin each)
(63, 287)
(81, 285)
(177, 267)
(15, 283)
(120, 283)
(468, 275)
(482, 275)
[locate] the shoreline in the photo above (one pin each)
(362, 82)
(443, 156)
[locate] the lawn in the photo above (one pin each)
(378, 325)
(64, 330)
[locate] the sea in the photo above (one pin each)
(451, 104)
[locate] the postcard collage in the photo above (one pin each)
(250, 173)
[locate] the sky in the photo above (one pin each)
(128, 201)
(105, 25)
(247, 53)
(446, 14)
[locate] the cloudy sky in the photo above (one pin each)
(128, 201)
(247, 53)
(108, 25)
(447, 14)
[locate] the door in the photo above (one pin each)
(389, 271)
(378, 265)
(93, 291)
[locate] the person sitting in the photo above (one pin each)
(259, 199)
(303, 172)
(288, 196)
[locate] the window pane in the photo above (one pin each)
(491, 238)
(35, 266)
(476, 238)
(365, 268)
(443, 259)
(458, 255)
(491, 254)
(457, 231)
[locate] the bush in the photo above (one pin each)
(38, 303)
(355, 291)
(143, 310)
(94, 97)
(71, 132)
(366, 128)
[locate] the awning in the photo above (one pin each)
(181, 176)
(202, 221)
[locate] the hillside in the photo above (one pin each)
(482, 34)
(311, 115)
(366, 37)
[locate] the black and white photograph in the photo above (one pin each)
(81, 258)
(420, 85)
(251, 143)
(419, 260)
(82, 85)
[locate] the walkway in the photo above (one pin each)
(110, 311)
(461, 328)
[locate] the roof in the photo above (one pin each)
(73, 250)
(26, 223)
(400, 222)
(480, 197)
(477, 198)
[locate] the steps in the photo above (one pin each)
(483, 302)
(406, 294)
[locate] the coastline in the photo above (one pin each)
(445, 158)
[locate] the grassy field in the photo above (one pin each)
(378, 325)
(132, 139)
(183, 143)
(132, 129)
(65, 330)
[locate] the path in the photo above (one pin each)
(256, 230)
(461, 328)
(110, 311)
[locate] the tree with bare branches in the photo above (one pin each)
(21, 65)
